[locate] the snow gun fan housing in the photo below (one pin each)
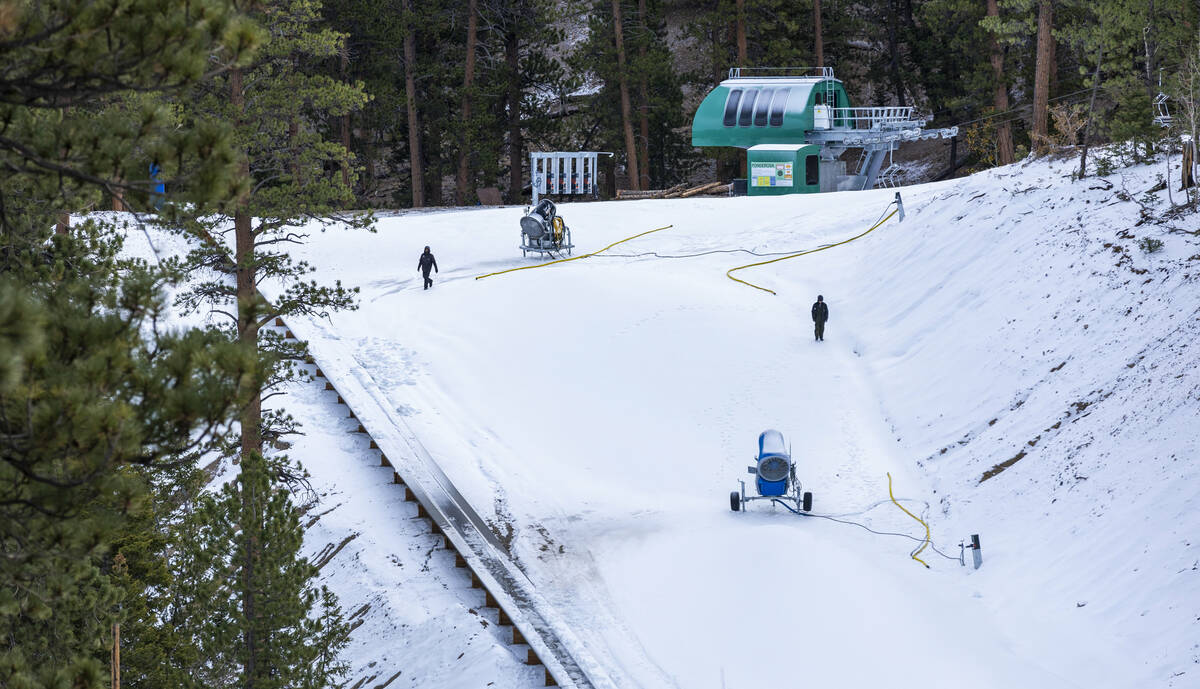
(774, 476)
(544, 231)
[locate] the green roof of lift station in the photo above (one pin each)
(746, 111)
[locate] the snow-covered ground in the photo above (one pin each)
(599, 412)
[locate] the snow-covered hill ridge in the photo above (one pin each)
(1035, 344)
(598, 413)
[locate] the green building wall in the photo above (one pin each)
(775, 170)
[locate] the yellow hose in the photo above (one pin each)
(923, 545)
(573, 258)
(802, 253)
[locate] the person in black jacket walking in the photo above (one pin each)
(426, 263)
(820, 314)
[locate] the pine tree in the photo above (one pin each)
(154, 646)
(464, 183)
(417, 162)
(622, 78)
(282, 106)
(670, 156)
(245, 543)
(1045, 67)
(82, 102)
(90, 387)
(86, 349)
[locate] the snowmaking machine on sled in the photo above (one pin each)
(544, 231)
(774, 477)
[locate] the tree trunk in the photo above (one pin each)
(644, 109)
(512, 57)
(1087, 129)
(740, 30)
(116, 657)
(626, 115)
(818, 40)
(718, 52)
(1041, 79)
(1150, 39)
(247, 331)
(894, 52)
(118, 202)
(410, 94)
(294, 150)
(370, 183)
(251, 528)
(433, 166)
(346, 118)
(64, 223)
(1053, 60)
(1004, 141)
(246, 272)
(1187, 181)
(462, 191)
(929, 59)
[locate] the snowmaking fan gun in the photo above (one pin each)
(774, 477)
(544, 231)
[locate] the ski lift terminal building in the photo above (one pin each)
(796, 123)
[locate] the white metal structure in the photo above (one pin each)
(1162, 116)
(561, 173)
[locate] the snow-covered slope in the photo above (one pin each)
(1032, 335)
(599, 412)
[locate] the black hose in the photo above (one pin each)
(863, 526)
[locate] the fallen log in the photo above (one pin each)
(699, 190)
(675, 191)
(672, 192)
(633, 194)
(638, 193)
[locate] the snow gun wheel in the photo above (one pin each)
(735, 501)
(807, 502)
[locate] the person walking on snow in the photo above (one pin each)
(820, 314)
(425, 264)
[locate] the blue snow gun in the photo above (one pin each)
(774, 476)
